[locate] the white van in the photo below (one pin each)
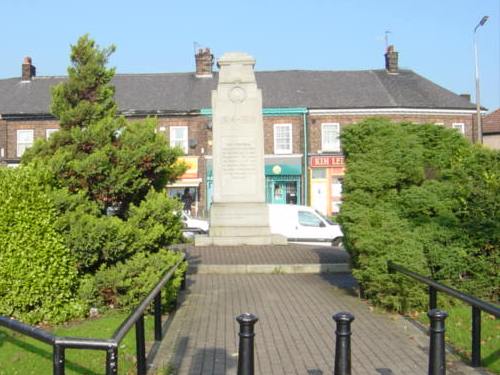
(304, 225)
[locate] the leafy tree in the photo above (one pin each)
(423, 196)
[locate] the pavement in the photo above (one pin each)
(295, 331)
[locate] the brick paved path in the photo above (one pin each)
(289, 254)
(295, 332)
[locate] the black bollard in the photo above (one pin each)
(437, 360)
(245, 352)
(343, 343)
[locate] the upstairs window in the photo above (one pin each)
(282, 138)
(24, 141)
(330, 137)
(460, 127)
(49, 132)
(179, 137)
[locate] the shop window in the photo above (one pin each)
(24, 141)
(460, 127)
(282, 138)
(330, 133)
(49, 132)
(318, 173)
(336, 187)
(179, 137)
(308, 219)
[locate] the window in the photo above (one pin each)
(282, 138)
(330, 140)
(308, 219)
(179, 137)
(318, 173)
(24, 141)
(49, 132)
(459, 127)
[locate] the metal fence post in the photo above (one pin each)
(59, 360)
(157, 313)
(343, 343)
(246, 347)
(476, 337)
(437, 360)
(140, 346)
(183, 281)
(112, 361)
(432, 298)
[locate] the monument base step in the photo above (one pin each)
(243, 231)
(273, 239)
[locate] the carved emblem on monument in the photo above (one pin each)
(237, 94)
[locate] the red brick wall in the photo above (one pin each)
(315, 121)
(198, 130)
(3, 140)
(11, 127)
(297, 133)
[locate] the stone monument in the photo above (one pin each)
(239, 214)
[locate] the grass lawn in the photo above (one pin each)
(23, 355)
(458, 335)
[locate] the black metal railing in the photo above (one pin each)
(110, 346)
(476, 304)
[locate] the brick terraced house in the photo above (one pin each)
(304, 113)
(491, 130)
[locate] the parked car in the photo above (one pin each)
(193, 226)
(304, 224)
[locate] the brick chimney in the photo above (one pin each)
(204, 63)
(28, 70)
(466, 96)
(391, 60)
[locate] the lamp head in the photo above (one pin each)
(483, 20)
(481, 23)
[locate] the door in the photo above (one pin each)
(319, 196)
(282, 191)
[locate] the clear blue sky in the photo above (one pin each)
(433, 37)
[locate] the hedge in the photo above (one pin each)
(38, 275)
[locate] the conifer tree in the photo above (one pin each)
(87, 96)
(112, 161)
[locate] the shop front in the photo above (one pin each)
(327, 175)
(283, 182)
(187, 187)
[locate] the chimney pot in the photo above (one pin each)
(204, 63)
(28, 71)
(391, 60)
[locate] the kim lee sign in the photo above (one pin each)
(327, 161)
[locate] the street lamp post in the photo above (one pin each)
(478, 104)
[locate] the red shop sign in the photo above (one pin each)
(327, 161)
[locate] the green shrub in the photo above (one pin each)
(125, 284)
(37, 273)
(95, 239)
(424, 197)
(156, 222)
